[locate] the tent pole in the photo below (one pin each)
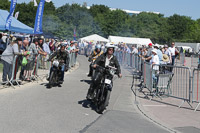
(8, 40)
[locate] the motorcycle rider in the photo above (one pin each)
(95, 54)
(63, 57)
(106, 59)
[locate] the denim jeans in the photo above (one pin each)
(7, 71)
(62, 72)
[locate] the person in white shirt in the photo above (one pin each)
(134, 50)
(173, 50)
(155, 60)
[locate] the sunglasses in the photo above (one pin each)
(110, 49)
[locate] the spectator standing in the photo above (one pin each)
(173, 50)
(52, 45)
(168, 53)
(24, 48)
(47, 50)
(155, 64)
(31, 59)
(134, 50)
(159, 53)
(149, 54)
(127, 49)
(8, 56)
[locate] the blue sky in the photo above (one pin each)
(189, 8)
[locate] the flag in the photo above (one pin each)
(38, 18)
(74, 34)
(9, 18)
(16, 15)
(35, 3)
(48, 1)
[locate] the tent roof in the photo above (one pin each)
(129, 40)
(16, 25)
(95, 38)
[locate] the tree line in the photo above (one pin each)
(99, 19)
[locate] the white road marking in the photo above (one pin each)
(155, 105)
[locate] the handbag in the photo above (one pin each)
(24, 61)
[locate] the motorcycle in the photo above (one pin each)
(54, 76)
(104, 84)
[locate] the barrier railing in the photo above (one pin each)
(180, 60)
(172, 81)
(194, 60)
(180, 82)
(196, 87)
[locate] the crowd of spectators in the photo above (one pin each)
(29, 48)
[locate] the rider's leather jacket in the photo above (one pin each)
(61, 56)
(101, 60)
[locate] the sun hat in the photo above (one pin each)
(154, 50)
(156, 45)
(165, 58)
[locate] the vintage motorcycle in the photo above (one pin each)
(54, 76)
(103, 86)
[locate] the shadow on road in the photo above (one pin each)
(87, 104)
(86, 81)
(49, 87)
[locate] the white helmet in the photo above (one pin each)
(110, 45)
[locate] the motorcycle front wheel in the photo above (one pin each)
(51, 79)
(103, 103)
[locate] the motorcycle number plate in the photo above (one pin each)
(107, 81)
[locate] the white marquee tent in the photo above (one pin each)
(94, 38)
(129, 40)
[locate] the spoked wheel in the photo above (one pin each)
(102, 103)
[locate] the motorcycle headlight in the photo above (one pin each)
(55, 63)
(112, 72)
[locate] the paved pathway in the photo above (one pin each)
(33, 108)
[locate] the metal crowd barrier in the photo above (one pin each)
(173, 81)
(194, 60)
(147, 75)
(180, 82)
(196, 87)
(15, 66)
(180, 60)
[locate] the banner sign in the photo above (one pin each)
(38, 18)
(9, 18)
(75, 34)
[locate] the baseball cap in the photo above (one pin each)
(150, 44)
(165, 46)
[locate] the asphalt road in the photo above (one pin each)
(33, 108)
